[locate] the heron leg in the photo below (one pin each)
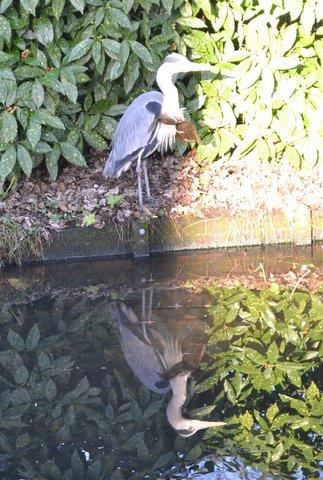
(144, 167)
(141, 205)
(150, 304)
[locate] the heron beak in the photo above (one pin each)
(201, 67)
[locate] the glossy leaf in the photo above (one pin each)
(24, 159)
(72, 154)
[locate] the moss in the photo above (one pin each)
(18, 244)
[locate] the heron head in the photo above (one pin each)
(177, 63)
(174, 64)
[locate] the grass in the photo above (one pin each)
(18, 243)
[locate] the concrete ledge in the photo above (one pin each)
(317, 226)
(164, 235)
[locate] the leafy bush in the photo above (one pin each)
(67, 67)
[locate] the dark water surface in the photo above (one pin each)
(127, 370)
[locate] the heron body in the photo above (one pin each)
(159, 362)
(152, 121)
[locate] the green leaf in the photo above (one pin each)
(202, 411)
(114, 200)
(25, 160)
(168, 5)
(81, 387)
(80, 49)
(95, 140)
(72, 154)
(52, 161)
(5, 29)
(70, 91)
(111, 48)
(15, 340)
(278, 452)
(295, 378)
(42, 116)
(7, 162)
(191, 22)
(21, 374)
(4, 5)
(43, 29)
(43, 361)
(163, 460)
(78, 5)
(273, 353)
(272, 412)
(255, 356)
(96, 52)
(120, 18)
(29, 5)
(299, 406)
(50, 389)
(308, 16)
(141, 51)
(37, 93)
(58, 7)
(89, 220)
(124, 53)
(9, 127)
(131, 73)
(152, 409)
(194, 454)
(33, 337)
(33, 133)
(230, 392)
(312, 393)
(288, 38)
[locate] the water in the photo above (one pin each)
(116, 370)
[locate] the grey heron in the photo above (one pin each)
(152, 121)
(157, 359)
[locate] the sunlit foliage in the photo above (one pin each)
(68, 67)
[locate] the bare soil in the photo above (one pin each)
(82, 196)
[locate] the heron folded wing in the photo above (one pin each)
(134, 134)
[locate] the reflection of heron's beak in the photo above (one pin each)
(184, 426)
(194, 426)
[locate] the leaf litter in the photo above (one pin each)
(179, 186)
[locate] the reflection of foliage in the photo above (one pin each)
(71, 409)
(64, 392)
(265, 350)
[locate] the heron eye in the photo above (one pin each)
(162, 384)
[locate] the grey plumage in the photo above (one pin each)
(135, 133)
(143, 357)
(158, 361)
(140, 132)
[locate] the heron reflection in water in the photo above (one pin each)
(160, 360)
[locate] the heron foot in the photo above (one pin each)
(144, 212)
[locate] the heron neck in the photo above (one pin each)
(170, 105)
(174, 407)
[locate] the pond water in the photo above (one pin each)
(133, 370)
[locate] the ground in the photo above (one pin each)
(82, 196)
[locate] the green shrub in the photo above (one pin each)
(67, 68)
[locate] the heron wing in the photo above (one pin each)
(134, 133)
(140, 356)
